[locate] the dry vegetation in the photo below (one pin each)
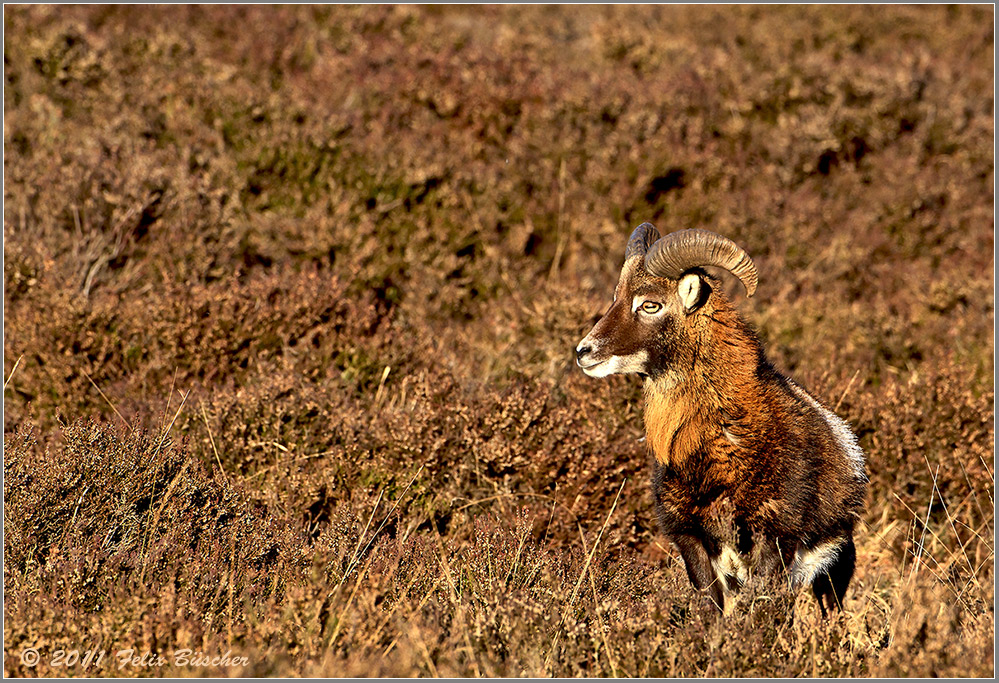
(292, 294)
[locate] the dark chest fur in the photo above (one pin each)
(728, 481)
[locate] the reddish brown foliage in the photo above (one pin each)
(362, 242)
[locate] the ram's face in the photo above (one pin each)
(647, 329)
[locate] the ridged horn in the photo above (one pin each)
(682, 250)
(643, 237)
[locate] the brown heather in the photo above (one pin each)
(292, 295)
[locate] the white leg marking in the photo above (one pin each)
(729, 564)
(810, 563)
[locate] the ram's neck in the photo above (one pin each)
(707, 406)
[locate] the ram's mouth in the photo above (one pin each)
(590, 366)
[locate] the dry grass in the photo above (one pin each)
(290, 298)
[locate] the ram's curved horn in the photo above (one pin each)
(641, 239)
(680, 251)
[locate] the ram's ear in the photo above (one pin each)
(693, 291)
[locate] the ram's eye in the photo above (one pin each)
(651, 307)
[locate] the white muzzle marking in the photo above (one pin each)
(616, 365)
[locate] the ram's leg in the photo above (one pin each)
(702, 575)
(830, 585)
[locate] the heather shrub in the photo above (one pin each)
(290, 302)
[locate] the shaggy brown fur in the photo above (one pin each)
(750, 476)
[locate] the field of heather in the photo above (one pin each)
(290, 302)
